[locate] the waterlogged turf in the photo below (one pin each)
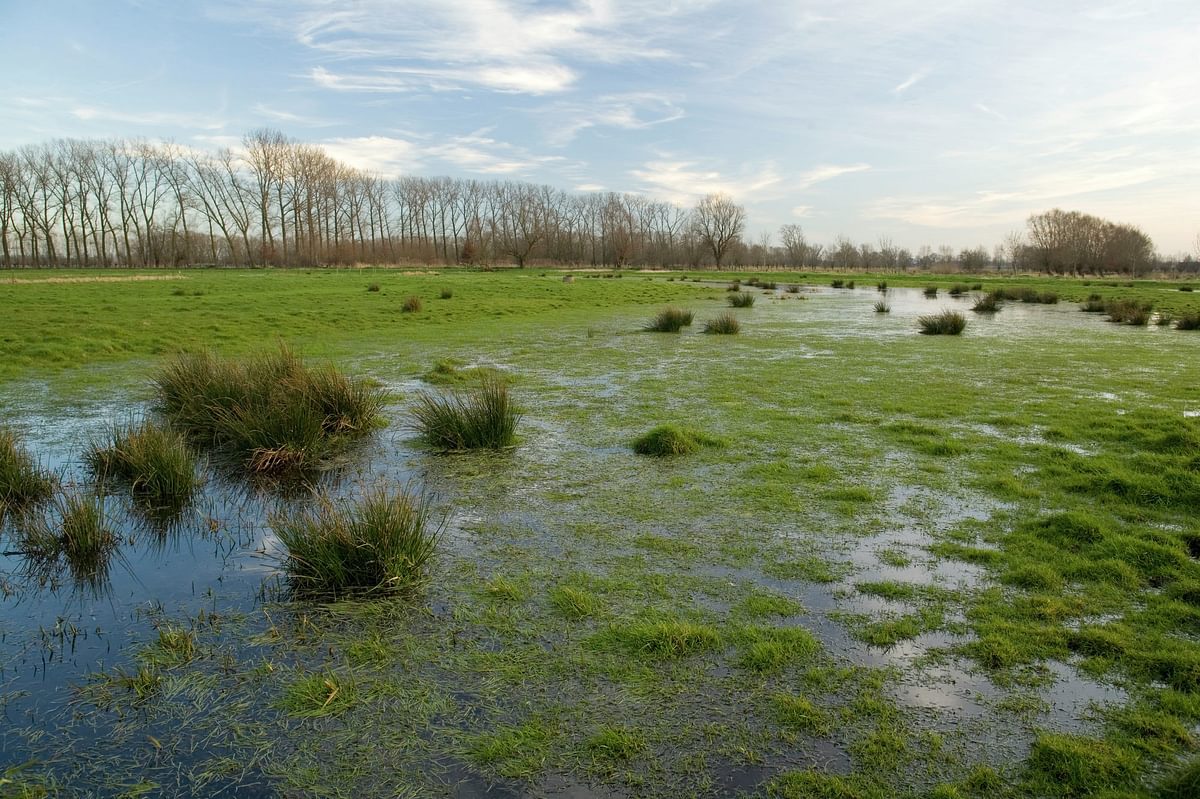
(915, 566)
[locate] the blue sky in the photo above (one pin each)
(924, 122)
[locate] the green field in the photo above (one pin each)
(896, 565)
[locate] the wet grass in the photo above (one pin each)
(742, 299)
(669, 439)
(1055, 528)
(669, 320)
(75, 529)
(987, 304)
(882, 307)
(382, 540)
(1188, 321)
(481, 417)
(946, 323)
(271, 411)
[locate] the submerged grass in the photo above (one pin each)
(483, 417)
(271, 411)
(382, 540)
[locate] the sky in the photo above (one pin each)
(917, 121)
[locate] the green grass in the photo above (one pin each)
(156, 462)
(669, 320)
(723, 324)
(741, 299)
(383, 540)
(22, 481)
(799, 714)
(1070, 765)
(945, 323)
(613, 744)
(769, 649)
(318, 694)
(271, 411)
(658, 640)
(669, 439)
(482, 417)
(77, 528)
(575, 603)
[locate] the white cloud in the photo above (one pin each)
(911, 80)
(826, 172)
(802, 211)
(148, 118)
(682, 183)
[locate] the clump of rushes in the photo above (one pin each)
(882, 307)
(1129, 312)
(931, 291)
(272, 411)
(154, 460)
(22, 481)
(734, 286)
(725, 324)
(669, 320)
(445, 294)
(957, 290)
(1189, 320)
(1094, 304)
(381, 541)
(988, 303)
(669, 439)
(793, 289)
(881, 287)
(412, 304)
(481, 418)
(76, 529)
(742, 299)
(373, 287)
(837, 284)
(1164, 318)
(946, 323)
(1186, 288)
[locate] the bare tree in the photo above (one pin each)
(718, 222)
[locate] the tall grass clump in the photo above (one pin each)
(76, 529)
(734, 286)
(881, 287)
(882, 307)
(411, 304)
(957, 290)
(669, 320)
(272, 411)
(383, 540)
(837, 284)
(1129, 312)
(1094, 304)
(445, 294)
(669, 439)
(931, 292)
(742, 299)
(154, 460)
(946, 323)
(725, 324)
(373, 288)
(481, 418)
(1189, 320)
(22, 481)
(988, 303)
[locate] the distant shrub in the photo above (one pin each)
(411, 305)
(669, 320)
(381, 541)
(946, 323)
(672, 440)
(742, 299)
(988, 303)
(726, 324)
(481, 418)
(882, 307)
(1186, 288)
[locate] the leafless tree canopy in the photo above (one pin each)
(282, 202)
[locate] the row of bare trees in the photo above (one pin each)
(278, 201)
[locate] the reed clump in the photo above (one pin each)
(484, 417)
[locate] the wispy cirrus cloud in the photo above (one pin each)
(685, 182)
(826, 172)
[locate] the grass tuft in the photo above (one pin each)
(446, 294)
(931, 292)
(669, 439)
(946, 323)
(272, 411)
(1189, 320)
(725, 324)
(669, 320)
(383, 540)
(1129, 312)
(412, 304)
(988, 303)
(154, 460)
(882, 307)
(660, 640)
(22, 481)
(483, 417)
(319, 694)
(741, 299)
(374, 287)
